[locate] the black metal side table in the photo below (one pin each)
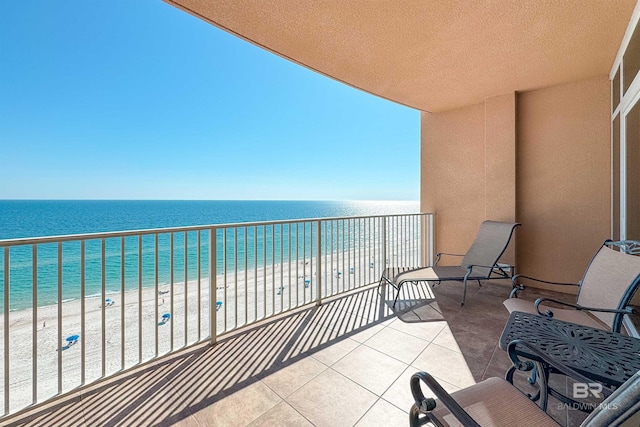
(606, 357)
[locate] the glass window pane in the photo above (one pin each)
(633, 173)
(615, 90)
(631, 59)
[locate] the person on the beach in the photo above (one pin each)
(44, 324)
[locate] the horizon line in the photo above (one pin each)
(205, 200)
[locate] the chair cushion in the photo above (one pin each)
(495, 402)
(398, 275)
(607, 279)
(490, 243)
(566, 315)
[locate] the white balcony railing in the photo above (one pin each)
(80, 308)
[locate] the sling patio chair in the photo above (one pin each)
(604, 293)
(479, 263)
(497, 402)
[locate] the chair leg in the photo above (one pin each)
(543, 380)
(380, 284)
(464, 291)
(514, 291)
(414, 417)
(397, 295)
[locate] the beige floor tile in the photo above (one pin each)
(445, 364)
(423, 330)
(336, 351)
(239, 408)
(316, 338)
(290, 378)
(371, 369)
(477, 337)
(281, 415)
(384, 414)
(446, 339)
(397, 344)
(376, 311)
(399, 394)
(351, 325)
(332, 400)
(190, 421)
(366, 333)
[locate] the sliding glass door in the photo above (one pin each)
(632, 193)
(625, 138)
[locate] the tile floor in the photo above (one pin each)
(344, 363)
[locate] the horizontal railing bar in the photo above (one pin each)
(113, 234)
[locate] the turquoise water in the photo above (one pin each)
(20, 219)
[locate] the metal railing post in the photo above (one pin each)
(432, 238)
(319, 261)
(213, 317)
(384, 243)
(6, 331)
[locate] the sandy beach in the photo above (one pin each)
(258, 294)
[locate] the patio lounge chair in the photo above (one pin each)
(605, 291)
(496, 402)
(479, 263)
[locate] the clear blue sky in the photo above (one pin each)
(125, 99)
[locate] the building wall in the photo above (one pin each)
(453, 189)
(564, 177)
(468, 169)
(541, 158)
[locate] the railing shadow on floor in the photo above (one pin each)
(417, 304)
(174, 387)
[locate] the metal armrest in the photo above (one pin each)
(627, 246)
(426, 405)
(518, 286)
(492, 267)
(549, 313)
(515, 279)
(480, 265)
(470, 266)
(444, 253)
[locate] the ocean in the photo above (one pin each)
(40, 218)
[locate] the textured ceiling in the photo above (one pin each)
(433, 55)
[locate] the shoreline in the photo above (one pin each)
(109, 291)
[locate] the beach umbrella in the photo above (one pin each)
(165, 318)
(73, 339)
